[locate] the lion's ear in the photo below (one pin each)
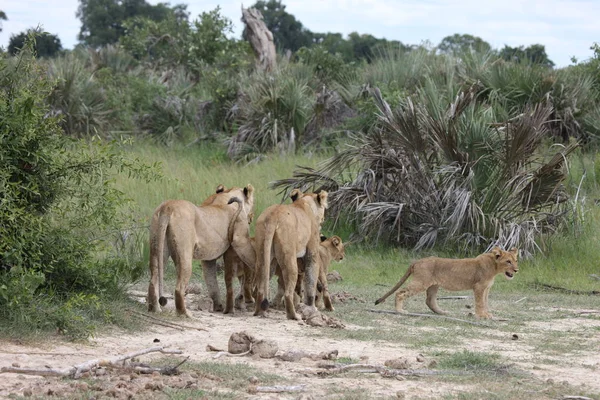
(336, 240)
(322, 198)
(323, 238)
(248, 190)
(295, 194)
(515, 252)
(220, 189)
(497, 251)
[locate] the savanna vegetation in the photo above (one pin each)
(448, 149)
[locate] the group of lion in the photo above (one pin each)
(287, 243)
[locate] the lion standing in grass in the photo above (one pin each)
(468, 273)
(285, 232)
(184, 231)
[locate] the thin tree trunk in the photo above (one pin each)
(260, 38)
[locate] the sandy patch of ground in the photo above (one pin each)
(289, 335)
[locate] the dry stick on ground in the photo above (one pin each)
(163, 322)
(277, 389)
(454, 297)
(565, 290)
(163, 371)
(385, 371)
(425, 315)
(76, 371)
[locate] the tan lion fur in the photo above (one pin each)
(184, 231)
(285, 232)
(329, 249)
(451, 274)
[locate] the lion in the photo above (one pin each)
(285, 232)
(184, 231)
(469, 273)
(330, 249)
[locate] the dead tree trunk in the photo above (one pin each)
(260, 38)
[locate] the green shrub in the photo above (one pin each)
(59, 210)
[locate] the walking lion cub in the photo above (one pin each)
(477, 273)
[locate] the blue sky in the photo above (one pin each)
(566, 28)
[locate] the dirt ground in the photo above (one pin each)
(288, 335)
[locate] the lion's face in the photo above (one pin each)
(316, 201)
(506, 261)
(336, 247)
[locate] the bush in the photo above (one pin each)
(436, 171)
(59, 209)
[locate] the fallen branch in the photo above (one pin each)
(565, 290)
(588, 312)
(163, 322)
(425, 315)
(521, 299)
(278, 389)
(76, 371)
(382, 370)
(576, 398)
(454, 297)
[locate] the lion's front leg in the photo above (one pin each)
(481, 310)
(209, 270)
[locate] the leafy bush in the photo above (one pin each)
(441, 171)
(273, 112)
(59, 209)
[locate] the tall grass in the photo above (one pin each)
(193, 173)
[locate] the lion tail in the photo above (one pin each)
(230, 230)
(400, 283)
(161, 224)
(265, 262)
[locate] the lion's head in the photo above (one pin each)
(334, 246)
(506, 261)
(222, 196)
(316, 201)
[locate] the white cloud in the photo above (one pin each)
(566, 28)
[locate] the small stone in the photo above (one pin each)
(468, 306)
(156, 341)
(515, 336)
(400, 395)
(27, 392)
(420, 358)
(550, 381)
(253, 380)
(16, 365)
(432, 364)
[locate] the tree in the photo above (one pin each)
(2, 18)
(45, 45)
(288, 32)
(535, 54)
(102, 20)
(458, 43)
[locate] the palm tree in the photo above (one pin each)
(437, 170)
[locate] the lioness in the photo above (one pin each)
(286, 232)
(185, 231)
(330, 249)
(468, 273)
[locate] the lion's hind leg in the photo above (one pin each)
(410, 290)
(432, 300)
(183, 265)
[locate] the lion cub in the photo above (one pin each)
(468, 273)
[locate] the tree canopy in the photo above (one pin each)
(102, 20)
(2, 18)
(460, 43)
(288, 32)
(45, 45)
(535, 54)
